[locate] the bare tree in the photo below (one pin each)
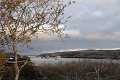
(22, 19)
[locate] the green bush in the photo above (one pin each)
(26, 58)
(10, 73)
(2, 63)
(28, 72)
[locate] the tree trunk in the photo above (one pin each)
(17, 72)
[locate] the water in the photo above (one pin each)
(39, 60)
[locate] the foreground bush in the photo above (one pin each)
(80, 71)
(28, 72)
(2, 62)
(68, 71)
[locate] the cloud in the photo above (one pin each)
(107, 2)
(53, 37)
(94, 24)
(73, 33)
(97, 14)
(93, 20)
(114, 37)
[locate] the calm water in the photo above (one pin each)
(39, 60)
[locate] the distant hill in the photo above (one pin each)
(95, 54)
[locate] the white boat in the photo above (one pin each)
(57, 57)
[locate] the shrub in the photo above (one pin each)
(80, 71)
(68, 71)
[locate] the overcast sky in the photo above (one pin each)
(94, 24)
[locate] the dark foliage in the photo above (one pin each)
(67, 71)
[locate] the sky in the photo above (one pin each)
(94, 25)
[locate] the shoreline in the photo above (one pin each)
(89, 54)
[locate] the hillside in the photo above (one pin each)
(96, 54)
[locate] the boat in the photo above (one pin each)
(57, 57)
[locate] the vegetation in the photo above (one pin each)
(67, 71)
(20, 20)
(26, 58)
(94, 54)
(27, 73)
(81, 71)
(2, 64)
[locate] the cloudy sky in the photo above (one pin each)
(94, 24)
